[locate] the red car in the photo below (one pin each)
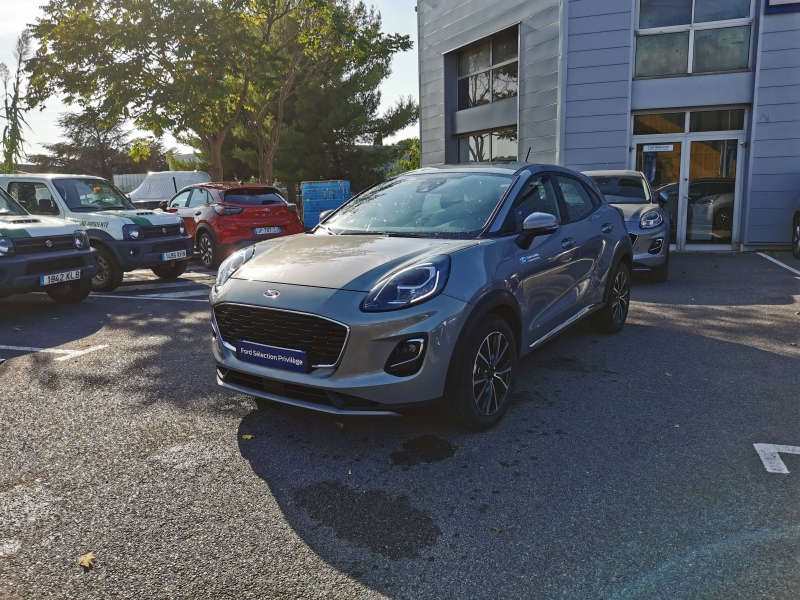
(224, 217)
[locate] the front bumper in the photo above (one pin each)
(358, 384)
(644, 259)
(147, 252)
(21, 273)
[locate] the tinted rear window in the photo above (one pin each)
(623, 190)
(253, 197)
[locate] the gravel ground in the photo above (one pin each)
(625, 468)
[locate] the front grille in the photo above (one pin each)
(169, 247)
(296, 392)
(634, 237)
(39, 244)
(156, 231)
(52, 266)
(322, 340)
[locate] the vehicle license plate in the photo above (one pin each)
(173, 255)
(60, 277)
(267, 230)
(271, 356)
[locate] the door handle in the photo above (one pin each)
(198, 213)
(567, 243)
(607, 228)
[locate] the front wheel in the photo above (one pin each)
(109, 274)
(484, 376)
(723, 219)
(611, 318)
(170, 270)
(796, 239)
(70, 292)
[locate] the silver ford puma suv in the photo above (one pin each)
(426, 288)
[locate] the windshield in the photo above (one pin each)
(84, 195)
(624, 189)
(447, 204)
(9, 206)
(253, 197)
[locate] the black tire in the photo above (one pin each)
(171, 270)
(109, 273)
(70, 292)
(469, 405)
(611, 318)
(796, 239)
(660, 274)
(723, 219)
(209, 251)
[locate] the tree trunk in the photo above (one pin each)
(213, 144)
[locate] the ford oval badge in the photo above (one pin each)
(272, 293)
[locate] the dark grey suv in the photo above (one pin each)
(427, 287)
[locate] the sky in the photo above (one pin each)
(398, 17)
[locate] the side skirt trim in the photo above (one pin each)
(563, 326)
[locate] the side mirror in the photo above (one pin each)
(163, 205)
(324, 215)
(536, 224)
(46, 207)
(663, 198)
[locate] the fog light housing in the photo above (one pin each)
(656, 246)
(407, 357)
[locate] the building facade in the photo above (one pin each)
(703, 96)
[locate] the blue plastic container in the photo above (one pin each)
(319, 196)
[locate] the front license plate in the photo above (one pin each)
(272, 356)
(60, 277)
(267, 230)
(173, 255)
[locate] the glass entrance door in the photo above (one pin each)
(661, 164)
(711, 196)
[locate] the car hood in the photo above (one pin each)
(634, 212)
(21, 226)
(142, 217)
(351, 262)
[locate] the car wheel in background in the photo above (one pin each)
(70, 292)
(796, 238)
(611, 318)
(171, 270)
(483, 377)
(660, 274)
(723, 219)
(209, 252)
(109, 273)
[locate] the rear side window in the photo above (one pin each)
(579, 202)
(253, 197)
(538, 195)
(199, 198)
(34, 197)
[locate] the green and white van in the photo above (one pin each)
(43, 253)
(126, 238)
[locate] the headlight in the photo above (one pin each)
(651, 220)
(7, 247)
(81, 240)
(410, 286)
(182, 227)
(232, 264)
(132, 232)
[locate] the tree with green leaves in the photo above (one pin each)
(410, 159)
(95, 146)
(14, 106)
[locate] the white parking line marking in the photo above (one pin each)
(771, 459)
(68, 354)
(779, 263)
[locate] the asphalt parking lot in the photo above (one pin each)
(625, 469)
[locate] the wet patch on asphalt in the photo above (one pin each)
(425, 449)
(369, 518)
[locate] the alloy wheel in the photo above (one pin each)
(796, 236)
(620, 297)
(491, 374)
(102, 272)
(206, 251)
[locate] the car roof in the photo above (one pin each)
(613, 173)
(232, 185)
(500, 168)
(52, 176)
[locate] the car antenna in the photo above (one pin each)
(527, 156)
